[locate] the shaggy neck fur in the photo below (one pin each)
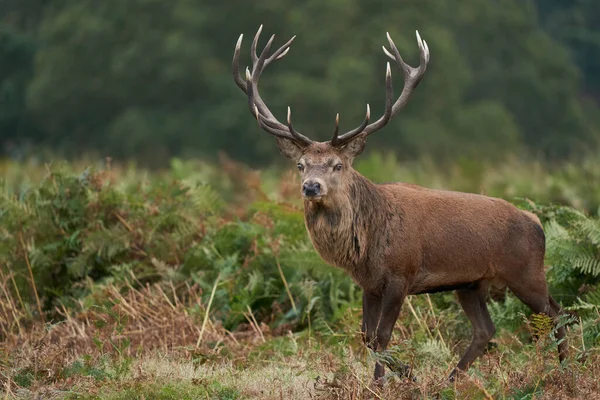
(340, 226)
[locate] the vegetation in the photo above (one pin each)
(162, 277)
(150, 79)
(200, 281)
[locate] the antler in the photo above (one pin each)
(412, 77)
(258, 108)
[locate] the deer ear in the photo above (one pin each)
(356, 146)
(289, 149)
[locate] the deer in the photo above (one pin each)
(400, 239)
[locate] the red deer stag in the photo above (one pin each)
(397, 239)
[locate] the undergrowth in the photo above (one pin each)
(106, 272)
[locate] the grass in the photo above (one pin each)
(200, 282)
(86, 356)
(320, 372)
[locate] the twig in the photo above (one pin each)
(37, 299)
(366, 386)
(232, 337)
(210, 300)
(123, 222)
(421, 324)
(256, 324)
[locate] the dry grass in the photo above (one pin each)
(320, 375)
(85, 355)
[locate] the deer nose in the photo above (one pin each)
(310, 189)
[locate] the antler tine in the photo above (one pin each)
(273, 127)
(294, 133)
(395, 53)
(255, 45)
(387, 115)
(334, 138)
(346, 137)
(258, 108)
(236, 65)
(263, 124)
(281, 52)
(412, 77)
(257, 68)
(389, 93)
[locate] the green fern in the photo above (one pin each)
(541, 325)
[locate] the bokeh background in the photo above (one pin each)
(150, 79)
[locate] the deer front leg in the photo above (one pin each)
(391, 302)
(370, 318)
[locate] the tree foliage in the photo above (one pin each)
(151, 79)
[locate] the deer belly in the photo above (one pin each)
(443, 281)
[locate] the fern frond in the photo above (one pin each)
(593, 296)
(541, 325)
(591, 228)
(586, 263)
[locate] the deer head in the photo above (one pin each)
(324, 166)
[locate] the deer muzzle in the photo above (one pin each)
(313, 189)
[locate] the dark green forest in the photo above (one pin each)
(151, 79)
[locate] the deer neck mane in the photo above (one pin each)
(340, 227)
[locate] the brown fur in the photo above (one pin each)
(402, 239)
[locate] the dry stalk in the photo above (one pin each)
(253, 323)
(366, 386)
(419, 321)
(11, 305)
(435, 319)
(123, 222)
(210, 300)
(287, 288)
(17, 291)
(37, 298)
(159, 288)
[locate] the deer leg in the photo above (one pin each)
(370, 318)
(561, 333)
(391, 302)
(473, 302)
(540, 302)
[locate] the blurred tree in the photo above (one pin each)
(151, 79)
(16, 52)
(576, 23)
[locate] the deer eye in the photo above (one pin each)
(300, 167)
(338, 167)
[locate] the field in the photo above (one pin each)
(199, 281)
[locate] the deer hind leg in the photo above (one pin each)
(561, 333)
(536, 297)
(472, 301)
